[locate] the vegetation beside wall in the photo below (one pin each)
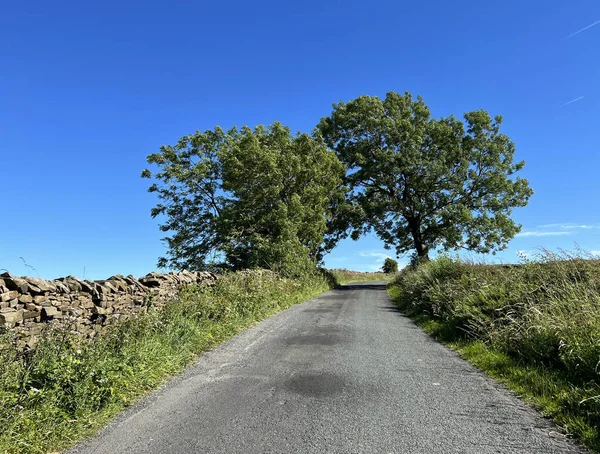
(534, 326)
(68, 386)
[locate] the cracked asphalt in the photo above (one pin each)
(342, 373)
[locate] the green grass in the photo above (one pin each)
(534, 327)
(68, 388)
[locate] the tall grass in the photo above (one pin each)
(67, 387)
(535, 325)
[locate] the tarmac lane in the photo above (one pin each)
(342, 373)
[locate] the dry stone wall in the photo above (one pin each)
(28, 305)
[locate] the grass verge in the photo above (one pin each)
(534, 327)
(68, 388)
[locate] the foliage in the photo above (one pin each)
(257, 198)
(67, 388)
(542, 317)
(390, 266)
(424, 183)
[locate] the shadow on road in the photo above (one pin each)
(393, 308)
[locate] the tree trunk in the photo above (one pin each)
(422, 251)
(421, 248)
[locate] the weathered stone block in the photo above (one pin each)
(131, 280)
(42, 284)
(118, 283)
(110, 287)
(30, 314)
(87, 286)
(61, 287)
(116, 277)
(15, 283)
(25, 299)
(10, 295)
(33, 289)
(49, 312)
(39, 299)
(72, 283)
(150, 280)
(11, 318)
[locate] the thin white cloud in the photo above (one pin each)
(581, 30)
(586, 227)
(381, 256)
(569, 226)
(538, 233)
(548, 226)
(596, 253)
(572, 101)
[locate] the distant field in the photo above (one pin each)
(534, 326)
(343, 275)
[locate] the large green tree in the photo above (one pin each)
(246, 198)
(423, 183)
(389, 266)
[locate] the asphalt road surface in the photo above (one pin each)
(343, 373)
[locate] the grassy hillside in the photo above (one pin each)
(68, 388)
(534, 326)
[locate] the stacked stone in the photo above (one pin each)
(28, 305)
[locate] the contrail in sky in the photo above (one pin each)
(572, 101)
(583, 29)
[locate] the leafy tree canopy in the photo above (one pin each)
(423, 183)
(247, 198)
(390, 266)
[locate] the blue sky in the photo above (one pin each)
(89, 89)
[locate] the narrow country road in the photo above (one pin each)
(343, 373)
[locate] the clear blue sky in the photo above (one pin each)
(89, 89)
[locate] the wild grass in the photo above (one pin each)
(67, 388)
(534, 326)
